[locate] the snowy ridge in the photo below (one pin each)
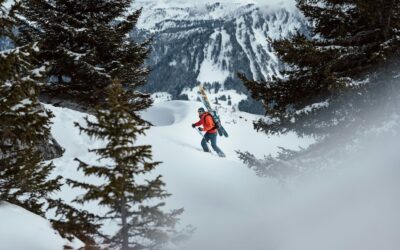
(155, 11)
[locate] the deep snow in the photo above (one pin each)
(354, 207)
(215, 192)
(23, 230)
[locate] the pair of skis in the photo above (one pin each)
(217, 120)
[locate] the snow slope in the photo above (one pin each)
(23, 230)
(353, 208)
(212, 190)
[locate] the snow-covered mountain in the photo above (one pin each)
(211, 42)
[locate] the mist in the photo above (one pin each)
(352, 205)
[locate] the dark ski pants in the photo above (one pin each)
(213, 138)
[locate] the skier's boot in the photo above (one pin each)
(221, 154)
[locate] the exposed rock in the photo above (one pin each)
(51, 149)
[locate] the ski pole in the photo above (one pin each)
(202, 135)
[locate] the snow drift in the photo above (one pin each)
(23, 230)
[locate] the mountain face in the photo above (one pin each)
(210, 43)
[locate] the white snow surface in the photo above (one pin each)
(354, 208)
(202, 4)
(23, 230)
(234, 96)
(211, 68)
(204, 184)
(161, 97)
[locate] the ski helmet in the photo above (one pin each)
(201, 110)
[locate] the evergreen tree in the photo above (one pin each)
(72, 222)
(24, 124)
(335, 75)
(87, 44)
(142, 224)
(6, 20)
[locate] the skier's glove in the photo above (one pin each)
(200, 129)
(193, 125)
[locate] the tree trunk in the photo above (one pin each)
(386, 17)
(124, 230)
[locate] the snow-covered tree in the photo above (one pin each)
(336, 76)
(24, 124)
(129, 199)
(87, 44)
(25, 179)
(335, 73)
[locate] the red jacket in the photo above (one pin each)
(208, 123)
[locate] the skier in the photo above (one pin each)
(209, 127)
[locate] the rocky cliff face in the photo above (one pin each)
(210, 43)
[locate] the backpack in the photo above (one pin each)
(212, 117)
